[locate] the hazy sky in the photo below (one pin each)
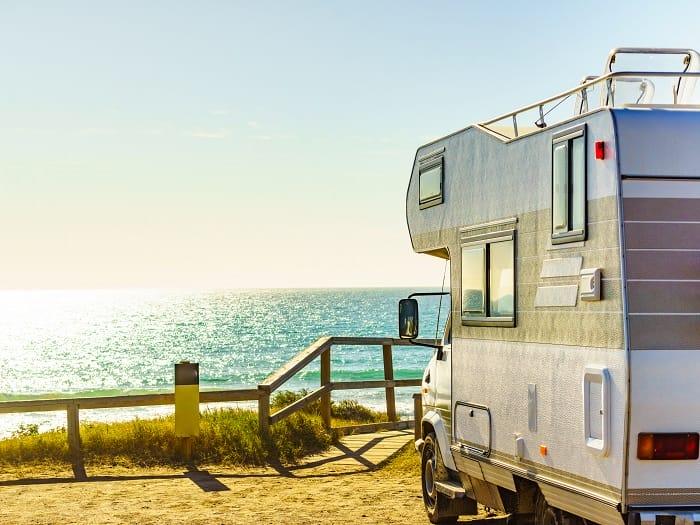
(260, 144)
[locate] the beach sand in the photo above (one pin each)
(115, 495)
(243, 496)
(353, 483)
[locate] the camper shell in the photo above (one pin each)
(567, 385)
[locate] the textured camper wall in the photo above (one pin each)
(487, 179)
(553, 341)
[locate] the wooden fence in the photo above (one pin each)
(321, 348)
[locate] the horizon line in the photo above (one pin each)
(210, 289)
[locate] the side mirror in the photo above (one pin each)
(408, 318)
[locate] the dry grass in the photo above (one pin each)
(227, 437)
(405, 463)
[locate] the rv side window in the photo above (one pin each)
(474, 280)
(569, 186)
(430, 181)
(488, 282)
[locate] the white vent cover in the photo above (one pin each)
(596, 408)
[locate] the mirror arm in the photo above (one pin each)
(439, 347)
(425, 294)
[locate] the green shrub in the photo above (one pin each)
(30, 429)
(285, 398)
(350, 410)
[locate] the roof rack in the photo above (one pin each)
(614, 89)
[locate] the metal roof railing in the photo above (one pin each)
(616, 89)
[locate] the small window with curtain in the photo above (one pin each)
(431, 179)
(488, 279)
(569, 186)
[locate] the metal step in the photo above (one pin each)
(451, 489)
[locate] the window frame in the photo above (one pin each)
(485, 240)
(568, 136)
(426, 163)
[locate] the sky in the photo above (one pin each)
(262, 144)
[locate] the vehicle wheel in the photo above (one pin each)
(437, 505)
(547, 515)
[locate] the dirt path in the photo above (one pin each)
(342, 486)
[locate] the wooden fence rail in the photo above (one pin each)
(321, 348)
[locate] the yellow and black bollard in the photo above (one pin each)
(186, 405)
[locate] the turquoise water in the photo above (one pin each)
(91, 343)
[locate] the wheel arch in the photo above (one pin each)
(432, 422)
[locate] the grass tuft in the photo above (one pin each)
(227, 437)
(406, 461)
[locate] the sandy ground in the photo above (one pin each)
(352, 483)
(241, 497)
(226, 496)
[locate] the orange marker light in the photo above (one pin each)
(543, 450)
(645, 446)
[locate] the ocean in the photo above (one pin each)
(114, 342)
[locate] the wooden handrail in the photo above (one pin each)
(220, 396)
(379, 341)
(298, 404)
(341, 385)
(49, 405)
(378, 383)
(319, 347)
(322, 348)
(376, 427)
(295, 364)
(138, 400)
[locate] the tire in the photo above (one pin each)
(437, 505)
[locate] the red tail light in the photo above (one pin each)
(678, 445)
(599, 149)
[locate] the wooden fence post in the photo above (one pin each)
(325, 381)
(264, 410)
(417, 415)
(73, 431)
(389, 376)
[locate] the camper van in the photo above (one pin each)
(566, 388)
